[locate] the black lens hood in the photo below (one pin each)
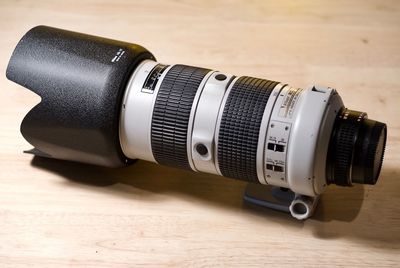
(81, 80)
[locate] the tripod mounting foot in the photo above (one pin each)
(299, 206)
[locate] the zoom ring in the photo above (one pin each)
(240, 127)
(171, 114)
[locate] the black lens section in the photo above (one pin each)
(356, 149)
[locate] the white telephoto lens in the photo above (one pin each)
(246, 128)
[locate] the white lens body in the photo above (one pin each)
(293, 139)
(205, 123)
(136, 113)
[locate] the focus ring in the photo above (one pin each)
(171, 114)
(240, 127)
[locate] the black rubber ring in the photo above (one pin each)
(171, 114)
(240, 127)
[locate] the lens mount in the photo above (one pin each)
(356, 149)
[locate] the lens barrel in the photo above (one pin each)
(239, 127)
(356, 149)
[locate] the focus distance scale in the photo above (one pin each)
(107, 102)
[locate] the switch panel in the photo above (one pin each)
(276, 149)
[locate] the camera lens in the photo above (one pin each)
(128, 106)
(356, 149)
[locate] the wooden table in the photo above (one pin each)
(59, 214)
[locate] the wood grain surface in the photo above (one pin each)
(55, 214)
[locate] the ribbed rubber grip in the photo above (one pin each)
(240, 127)
(171, 114)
